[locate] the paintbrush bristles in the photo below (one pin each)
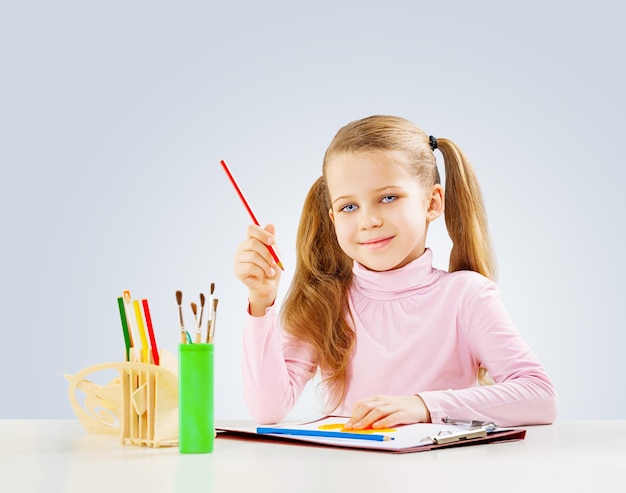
(179, 300)
(183, 332)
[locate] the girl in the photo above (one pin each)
(396, 340)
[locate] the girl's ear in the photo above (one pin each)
(332, 216)
(436, 203)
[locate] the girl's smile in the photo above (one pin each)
(377, 243)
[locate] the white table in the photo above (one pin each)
(60, 456)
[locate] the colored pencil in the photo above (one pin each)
(247, 206)
(153, 344)
(120, 303)
(321, 433)
(145, 358)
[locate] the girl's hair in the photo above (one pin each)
(316, 307)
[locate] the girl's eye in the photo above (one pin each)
(389, 198)
(348, 208)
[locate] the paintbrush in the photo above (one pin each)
(183, 332)
(210, 314)
(211, 300)
(211, 334)
(199, 324)
(194, 309)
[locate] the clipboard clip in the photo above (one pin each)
(475, 429)
(446, 436)
(471, 424)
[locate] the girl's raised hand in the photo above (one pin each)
(257, 269)
(384, 411)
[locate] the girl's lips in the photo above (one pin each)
(376, 243)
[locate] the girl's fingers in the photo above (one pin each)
(387, 411)
(256, 268)
(255, 252)
(265, 236)
(364, 413)
(254, 263)
(260, 240)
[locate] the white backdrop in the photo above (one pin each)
(114, 116)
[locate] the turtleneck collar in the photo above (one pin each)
(396, 283)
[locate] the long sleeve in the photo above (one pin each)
(522, 394)
(275, 368)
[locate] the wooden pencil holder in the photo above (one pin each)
(141, 404)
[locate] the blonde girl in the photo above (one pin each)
(396, 340)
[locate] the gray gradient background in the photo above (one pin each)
(114, 116)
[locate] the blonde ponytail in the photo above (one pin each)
(465, 216)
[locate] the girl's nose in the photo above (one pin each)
(369, 219)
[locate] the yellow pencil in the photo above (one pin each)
(145, 358)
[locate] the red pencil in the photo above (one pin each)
(153, 345)
(245, 203)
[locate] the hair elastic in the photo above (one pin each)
(433, 142)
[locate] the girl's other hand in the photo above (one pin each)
(257, 269)
(383, 411)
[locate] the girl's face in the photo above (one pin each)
(380, 212)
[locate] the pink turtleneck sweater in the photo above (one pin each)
(419, 330)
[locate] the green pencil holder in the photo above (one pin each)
(196, 426)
